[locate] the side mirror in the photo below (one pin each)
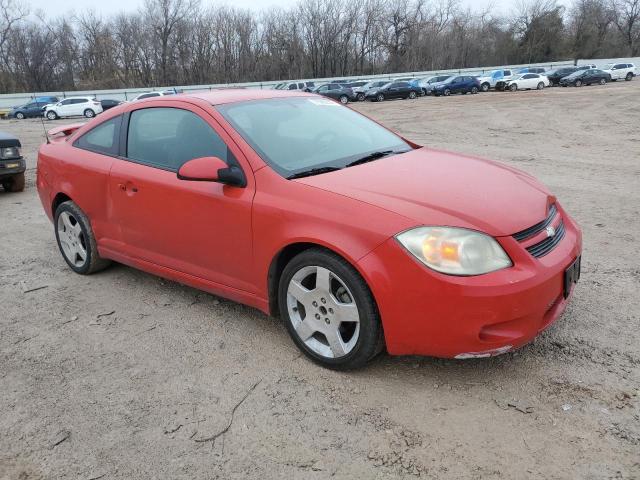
(211, 169)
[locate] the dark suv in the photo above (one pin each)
(12, 165)
(35, 108)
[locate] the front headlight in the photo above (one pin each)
(9, 153)
(455, 251)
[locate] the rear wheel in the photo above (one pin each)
(20, 116)
(76, 240)
(14, 184)
(629, 77)
(474, 90)
(412, 95)
(89, 113)
(540, 85)
(602, 81)
(51, 115)
(329, 310)
(361, 97)
(578, 83)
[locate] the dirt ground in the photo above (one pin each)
(125, 375)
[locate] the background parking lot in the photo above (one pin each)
(126, 375)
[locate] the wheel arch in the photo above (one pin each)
(59, 198)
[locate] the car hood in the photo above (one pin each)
(433, 187)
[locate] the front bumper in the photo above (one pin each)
(9, 168)
(427, 313)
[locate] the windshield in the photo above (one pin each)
(297, 134)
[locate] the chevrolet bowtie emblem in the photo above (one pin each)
(551, 231)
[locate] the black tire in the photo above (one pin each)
(578, 83)
(513, 87)
(370, 341)
(88, 113)
(20, 116)
(14, 184)
(380, 97)
(343, 99)
(474, 90)
(629, 77)
(412, 95)
(540, 86)
(361, 97)
(485, 87)
(51, 115)
(446, 92)
(603, 81)
(93, 262)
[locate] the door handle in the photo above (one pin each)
(128, 187)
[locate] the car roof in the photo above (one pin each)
(235, 95)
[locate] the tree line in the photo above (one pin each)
(183, 42)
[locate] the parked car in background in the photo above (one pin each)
(28, 110)
(88, 107)
(163, 93)
(530, 70)
(107, 104)
(502, 84)
(489, 81)
(527, 81)
(619, 71)
(336, 91)
(585, 77)
(587, 66)
(458, 84)
(394, 90)
(361, 92)
(12, 165)
(427, 83)
(301, 86)
(557, 74)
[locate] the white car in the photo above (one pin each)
(490, 80)
(153, 94)
(73, 107)
(302, 86)
(619, 71)
(527, 81)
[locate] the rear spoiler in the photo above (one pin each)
(66, 129)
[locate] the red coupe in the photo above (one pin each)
(289, 202)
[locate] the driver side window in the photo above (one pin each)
(166, 138)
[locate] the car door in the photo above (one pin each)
(529, 80)
(78, 106)
(202, 229)
(64, 107)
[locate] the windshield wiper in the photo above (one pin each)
(312, 171)
(373, 156)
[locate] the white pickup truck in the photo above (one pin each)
(619, 71)
(490, 80)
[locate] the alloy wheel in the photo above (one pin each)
(51, 115)
(323, 312)
(72, 239)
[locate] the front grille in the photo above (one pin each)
(538, 227)
(540, 249)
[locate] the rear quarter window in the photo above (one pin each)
(103, 138)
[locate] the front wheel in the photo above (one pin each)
(76, 240)
(629, 77)
(540, 86)
(602, 81)
(51, 115)
(513, 87)
(380, 97)
(446, 92)
(14, 184)
(485, 87)
(361, 97)
(578, 83)
(88, 113)
(20, 116)
(329, 310)
(412, 95)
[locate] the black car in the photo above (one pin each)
(556, 75)
(336, 91)
(107, 104)
(35, 108)
(586, 77)
(12, 165)
(394, 90)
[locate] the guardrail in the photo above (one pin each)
(12, 99)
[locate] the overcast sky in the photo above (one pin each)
(53, 8)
